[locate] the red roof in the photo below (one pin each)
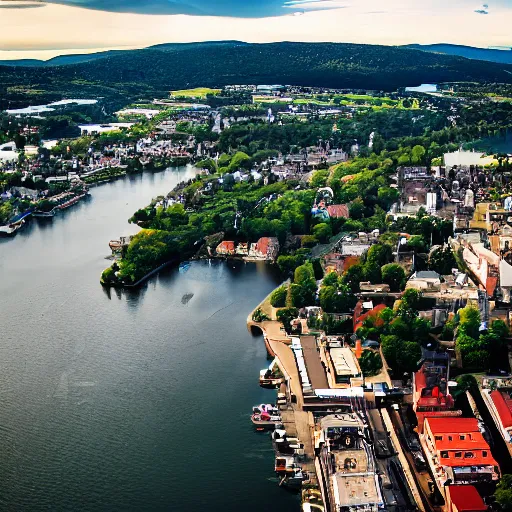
(452, 425)
(466, 498)
(338, 210)
(372, 313)
(490, 285)
(503, 405)
(226, 247)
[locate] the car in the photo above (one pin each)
(419, 461)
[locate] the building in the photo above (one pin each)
(425, 280)
(337, 211)
(266, 248)
(431, 394)
(343, 366)
(464, 498)
(457, 452)
(347, 464)
(497, 395)
(226, 248)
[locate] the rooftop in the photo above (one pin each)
(466, 498)
(344, 361)
(452, 425)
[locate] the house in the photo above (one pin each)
(266, 248)
(337, 211)
(242, 249)
(431, 395)
(226, 248)
(425, 280)
(497, 395)
(457, 452)
(464, 498)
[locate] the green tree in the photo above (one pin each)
(393, 275)
(353, 276)
(418, 154)
(356, 209)
(278, 297)
(370, 363)
(503, 493)
(402, 356)
(442, 260)
(322, 232)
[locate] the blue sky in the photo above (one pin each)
(45, 28)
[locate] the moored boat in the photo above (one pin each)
(312, 500)
(265, 420)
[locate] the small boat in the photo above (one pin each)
(285, 464)
(269, 408)
(284, 445)
(312, 500)
(264, 420)
(270, 377)
(45, 215)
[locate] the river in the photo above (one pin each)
(133, 400)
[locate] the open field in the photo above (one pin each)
(198, 92)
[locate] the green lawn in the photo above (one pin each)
(198, 92)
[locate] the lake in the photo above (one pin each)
(128, 400)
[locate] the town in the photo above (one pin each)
(391, 225)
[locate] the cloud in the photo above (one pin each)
(220, 8)
(484, 9)
(19, 5)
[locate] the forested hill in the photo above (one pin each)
(160, 69)
(469, 52)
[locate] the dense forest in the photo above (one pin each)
(154, 71)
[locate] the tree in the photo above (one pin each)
(503, 493)
(394, 275)
(356, 209)
(330, 279)
(402, 356)
(469, 322)
(442, 260)
(417, 154)
(322, 232)
(353, 276)
(278, 297)
(240, 160)
(20, 141)
(370, 363)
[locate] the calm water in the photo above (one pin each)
(129, 400)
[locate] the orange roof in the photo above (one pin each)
(226, 246)
(338, 210)
(452, 425)
(466, 498)
(372, 313)
(476, 460)
(490, 285)
(504, 407)
(476, 443)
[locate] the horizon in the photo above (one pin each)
(132, 25)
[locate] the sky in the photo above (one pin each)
(46, 28)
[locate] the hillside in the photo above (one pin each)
(469, 52)
(154, 71)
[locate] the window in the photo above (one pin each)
(462, 438)
(458, 455)
(444, 455)
(484, 453)
(439, 438)
(469, 455)
(450, 438)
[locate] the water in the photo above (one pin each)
(422, 88)
(40, 109)
(132, 400)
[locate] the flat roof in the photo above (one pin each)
(344, 361)
(352, 490)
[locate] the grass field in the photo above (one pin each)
(198, 92)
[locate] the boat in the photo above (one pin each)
(45, 215)
(284, 445)
(70, 202)
(269, 408)
(271, 377)
(312, 500)
(265, 420)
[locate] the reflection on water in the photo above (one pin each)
(128, 400)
